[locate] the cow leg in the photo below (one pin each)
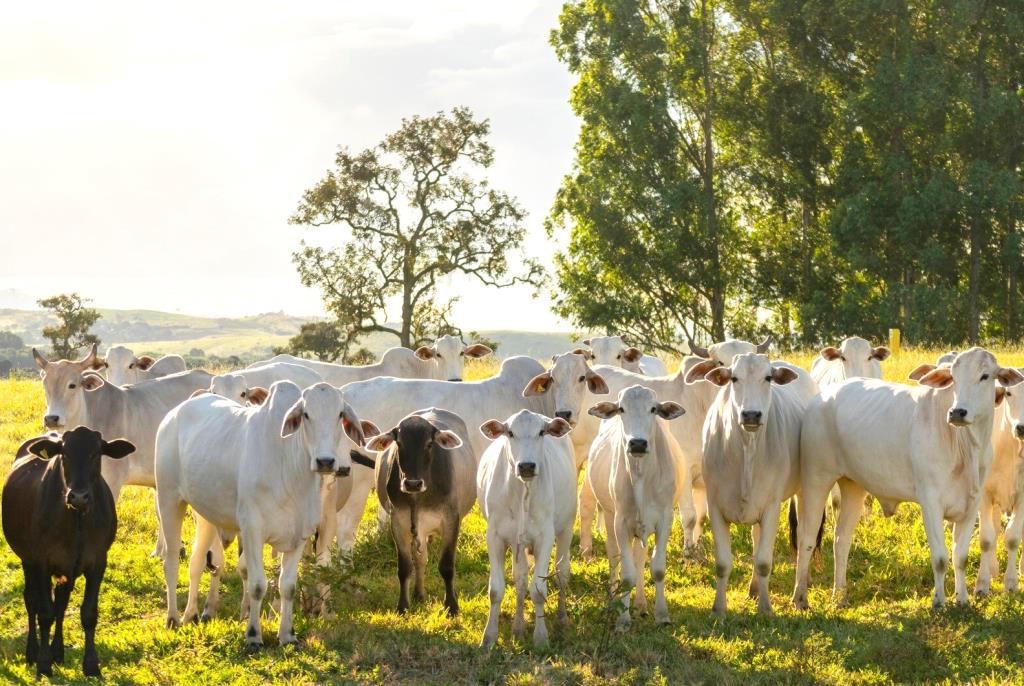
(700, 506)
(753, 588)
(496, 587)
(255, 586)
(640, 565)
(403, 547)
(158, 546)
(90, 614)
(31, 576)
(723, 558)
(286, 586)
(351, 513)
(446, 564)
(521, 578)
(539, 588)
(623, 532)
(216, 559)
(936, 534)
(1012, 538)
(611, 548)
(763, 554)
(420, 549)
(658, 563)
(61, 595)
(810, 508)
(588, 505)
(963, 530)
(851, 507)
(687, 512)
(44, 603)
(987, 540)
(201, 544)
(172, 513)
(328, 527)
(997, 523)
(562, 570)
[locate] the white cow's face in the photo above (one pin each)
(322, 419)
(448, 356)
(1013, 407)
(568, 380)
(748, 384)
(637, 408)
(858, 358)
(973, 376)
(525, 432)
(65, 384)
(231, 386)
(613, 351)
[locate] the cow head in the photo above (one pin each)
(748, 382)
(79, 452)
(567, 381)
(415, 439)
(64, 383)
(637, 408)
(615, 352)
(973, 376)
(124, 367)
(858, 357)
(321, 419)
(723, 352)
(526, 432)
(449, 356)
(1013, 406)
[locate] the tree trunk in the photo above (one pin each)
(408, 273)
(974, 285)
(717, 300)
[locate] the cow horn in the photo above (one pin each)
(763, 346)
(90, 360)
(40, 360)
(697, 350)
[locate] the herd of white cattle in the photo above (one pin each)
(286, 448)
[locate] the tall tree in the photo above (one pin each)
(74, 322)
(414, 210)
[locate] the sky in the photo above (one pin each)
(152, 153)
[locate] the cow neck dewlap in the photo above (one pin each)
(635, 471)
(749, 440)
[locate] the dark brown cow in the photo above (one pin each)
(59, 518)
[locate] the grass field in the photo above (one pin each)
(888, 634)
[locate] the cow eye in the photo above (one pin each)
(618, 357)
(510, 435)
(768, 378)
(984, 377)
(71, 385)
(734, 380)
(305, 415)
(1008, 394)
(653, 410)
(843, 358)
(242, 394)
(582, 379)
(541, 433)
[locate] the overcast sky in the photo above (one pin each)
(150, 155)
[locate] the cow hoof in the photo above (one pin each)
(800, 604)
(91, 667)
(937, 603)
(253, 647)
(765, 611)
(981, 592)
(289, 640)
(57, 654)
(662, 620)
(453, 609)
(1010, 588)
(487, 642)
(717, 611)
(172, 623)
(190, 619)
(587, 555)
(622, 625)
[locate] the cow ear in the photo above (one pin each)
(632, 354)
(292, 420)
(699, 371)
(604, 410)
(557, 427)
(91, 382)
(369, 428)
(256, 395)
(881, 353)
(670, 410)
(448, 439)
(596, 384)
(920, 371)
(493, 429)
(381, 441)
(144, 362)
(476, 350)
(719, 376)
(1000, 394)
(1008, 376)
(937, 378)
(352, 426)
(424, 353)
(830, 353)
(539, 385)
(783, 375)
(46, 448)
(40, 360)
(587, 355)
(118, 448)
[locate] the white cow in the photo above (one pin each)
(637, 480)
(399, 362)
(855, 357)
(254, 471)
(521, 383)
(751, 461)
(930, 445)
(1003, 490)
(722, 353)
(526, 487)
(236, 385)
(124, 367)
(448, 355)
(615, 352)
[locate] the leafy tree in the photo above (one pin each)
(327, 342)
(75, 320)
(10, 341)
(414, 210)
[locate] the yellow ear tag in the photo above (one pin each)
(540, 387)
(43, 454)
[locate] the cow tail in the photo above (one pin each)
(793, 526)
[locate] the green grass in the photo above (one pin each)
(889, 634)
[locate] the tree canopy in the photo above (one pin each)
(74, 321)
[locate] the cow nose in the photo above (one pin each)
(343, 471)
(638, 445)
(564, 414)
(52, 421)
(957, 415)
(751, 416)
(1019, 430)
(526, 470)
(78, 499)
(325, 464)
(412, 485)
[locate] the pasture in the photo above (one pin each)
(888, 634)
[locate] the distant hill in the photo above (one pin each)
(154, 332)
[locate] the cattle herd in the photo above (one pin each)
(289, 448)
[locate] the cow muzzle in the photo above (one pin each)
(78, 500)
(958, 417)
(343, 471)
(1019, 431)
(566, 415)
(750, 420)
(637, 447)
(53, 421)
(526, 470)
(413, 486)
(325, 465)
